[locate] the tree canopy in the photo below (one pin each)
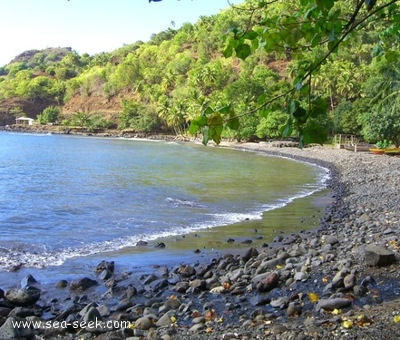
(302, 69)
(308, 32)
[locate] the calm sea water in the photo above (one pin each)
(64, 197)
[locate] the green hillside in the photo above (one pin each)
(312, 68)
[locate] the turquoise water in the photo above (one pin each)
(67, 197)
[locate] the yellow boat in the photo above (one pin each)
(392, 151)
(377, 151)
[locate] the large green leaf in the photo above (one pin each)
(287, 129)
(325, 5)
(251, 35)
(206, 136)
(196, 124)
(215, 120)
(233, 122)
(243, 51)
(318, 106)
(215, 133)
(301, 115)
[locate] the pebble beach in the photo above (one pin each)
(337, 281)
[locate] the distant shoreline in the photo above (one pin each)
(80, 131)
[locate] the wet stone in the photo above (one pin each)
(83, 284)
(334, 303)
(23, 296)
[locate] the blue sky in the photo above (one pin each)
(92, 26)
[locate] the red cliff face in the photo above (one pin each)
(12, 107)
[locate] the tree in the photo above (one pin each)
(382, 121)
(49, 115)
(292, 29)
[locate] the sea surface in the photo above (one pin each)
(69, 199)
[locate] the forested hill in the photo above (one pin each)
(164, 84)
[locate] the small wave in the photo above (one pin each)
(181, 202)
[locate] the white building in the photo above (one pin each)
(24, 120)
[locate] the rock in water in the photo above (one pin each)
(29, 281)
(82, 284)
(22, 296)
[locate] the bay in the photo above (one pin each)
(67, 201)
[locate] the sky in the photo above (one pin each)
(92, 26)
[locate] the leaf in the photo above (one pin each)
(215, 133)
(293, 106)
(263, 112)
(312, 297)
(228, 51)
(347, 324)
(206, 137)
(362, 321)
(207, 111)
(215, 120)
(196, 124)
(298, 83)
(224, 109)
(287, 129)
(233, 123)
(243, 51)
(215, 125)
(301, 115)
(251, 35)
(325, 5)
(370, 4)
(261, 99)
(230, 46)
(318, 106)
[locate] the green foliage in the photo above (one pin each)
(79, 119)
(321, 27)
(260, 70)
(381, 125)
(271, 125)
(211, 123)
(382, 144)
(97, 121)
(347, 116)
(49, 115)
(382, 121)
(136, 116)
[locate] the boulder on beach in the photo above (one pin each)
(378, 256)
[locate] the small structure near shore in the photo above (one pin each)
(24, 121)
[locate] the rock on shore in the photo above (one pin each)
(340, 281)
